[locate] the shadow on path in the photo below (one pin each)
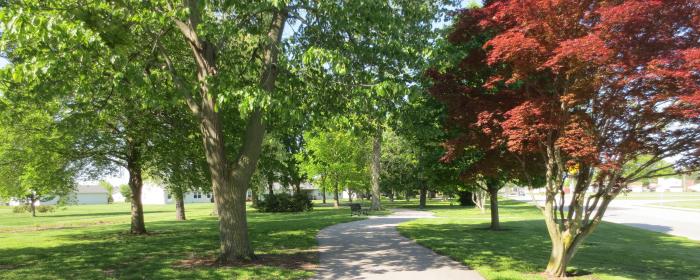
(373, 249)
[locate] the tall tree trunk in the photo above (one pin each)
(336, 202)
(254, 196)
(229, 183)
(349, 195)
(297, 188)
(493, 187)
(391, 195)
(179, 205)
(495, 224)
(376, 168)
(323, 195)
(138, 226)
(423, 196)
(270, 184)
(32, 202)
(239, 244)
(408, 195)
(214, 209)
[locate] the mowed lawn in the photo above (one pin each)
(660, 196)
(90, 242)
(687, 204)
(521, 250)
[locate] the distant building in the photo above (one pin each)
(155, 194)
(669, 185)
(306, 187)
(83, 194)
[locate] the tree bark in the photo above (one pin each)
(138, 226)
(349, 195)
(423, 198)
(297, 187)
(179, 206)
(230, 183)
(376, 168)
(32, 201)
(254, 196)
(493, 188)
(408, 195)
(323, 195)
(495, 224)
(391, 195)
(270, 184)
(336, 202)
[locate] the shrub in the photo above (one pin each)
(465, 198)
(45, 208)
(28, 208)
(22, 209)
(126, 192)
(284, 202)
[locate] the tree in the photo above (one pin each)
(590, 87)
(226, 60)
(378, 62)
(178, 159)
(338, 159)
(109, 188)
(35, 158)
(125, 191)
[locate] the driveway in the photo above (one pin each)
(677, 222)
(373, 249)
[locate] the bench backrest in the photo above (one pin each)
(355, 206)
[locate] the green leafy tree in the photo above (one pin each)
(337, 159)
(35, 159)
(109, 188)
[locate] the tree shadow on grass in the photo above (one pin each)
(615, 250)
(107, 252)
(121, 213)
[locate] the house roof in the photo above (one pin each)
(90, 189)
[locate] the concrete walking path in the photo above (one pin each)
(374, 249)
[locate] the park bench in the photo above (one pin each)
(356, 209)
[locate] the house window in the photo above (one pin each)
(208, 195)
(197, 195)
(169, 196)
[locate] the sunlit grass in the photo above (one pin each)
(659, 196)
(522, 249)
(90, 242)
(688, 204)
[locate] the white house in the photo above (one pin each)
(153, 193)
(313, 192)
(669, 185)
(83, 194)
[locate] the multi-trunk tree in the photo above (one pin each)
(337, 160)
(588, 86)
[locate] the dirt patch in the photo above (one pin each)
(302, 260)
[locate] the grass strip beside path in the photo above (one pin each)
(90, 242)
(521, 250)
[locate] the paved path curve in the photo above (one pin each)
(373, 249)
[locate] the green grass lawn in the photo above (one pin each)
(689, 204)
(659, 196)
(521, 251)
(90, 242)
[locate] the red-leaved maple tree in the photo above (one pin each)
(589, 86)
